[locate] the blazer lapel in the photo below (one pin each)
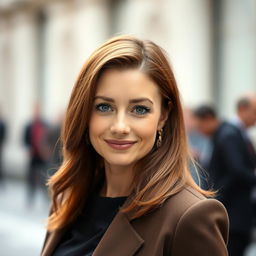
(119, 239)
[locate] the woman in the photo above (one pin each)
(124, 187)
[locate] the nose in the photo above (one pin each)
(120, 125)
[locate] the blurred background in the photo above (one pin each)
(43, 45)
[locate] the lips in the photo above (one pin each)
(120, 144)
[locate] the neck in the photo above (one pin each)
(118, 181)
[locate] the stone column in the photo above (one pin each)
(58, 58)
(190, 49)
(91, 28)
(238, 52)
(18, 81)
(183, 29)
(73, 29)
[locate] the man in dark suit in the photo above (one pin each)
(232, 168)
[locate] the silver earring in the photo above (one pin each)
(159, 139)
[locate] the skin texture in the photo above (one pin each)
(116, 116)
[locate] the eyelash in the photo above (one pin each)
(98, 106)
(145, 109)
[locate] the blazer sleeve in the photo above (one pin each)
(202, 230)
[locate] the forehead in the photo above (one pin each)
(124, 84)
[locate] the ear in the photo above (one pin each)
(163, 118)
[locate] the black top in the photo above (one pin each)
(85, 233)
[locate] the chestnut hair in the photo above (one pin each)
(158, 175)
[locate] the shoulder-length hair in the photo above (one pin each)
(160, 174)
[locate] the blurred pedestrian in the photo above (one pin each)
(200, 149)
(2, 140)
(35, 140)
(124, 187)
(232, 167)
(206, 123)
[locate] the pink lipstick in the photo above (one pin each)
(120, 144)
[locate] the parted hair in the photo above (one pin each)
(158, 175)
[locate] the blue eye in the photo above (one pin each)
(103, 107)
(141, 110)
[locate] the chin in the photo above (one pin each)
(120, 162)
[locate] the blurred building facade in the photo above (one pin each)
(44, 43)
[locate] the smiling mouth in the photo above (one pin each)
(120, 144)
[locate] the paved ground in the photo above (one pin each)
(22, 228)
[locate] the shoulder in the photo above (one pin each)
(196, 218)
(183, 200)
(227, 130)
(190, 208)
(190, 202)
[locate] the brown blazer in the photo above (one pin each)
(187, 224)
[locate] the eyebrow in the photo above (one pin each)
(137, 100)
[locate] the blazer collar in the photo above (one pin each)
(120, 238)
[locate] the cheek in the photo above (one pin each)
(147, 132)
(96, 127)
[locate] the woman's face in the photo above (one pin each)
(125, 117)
